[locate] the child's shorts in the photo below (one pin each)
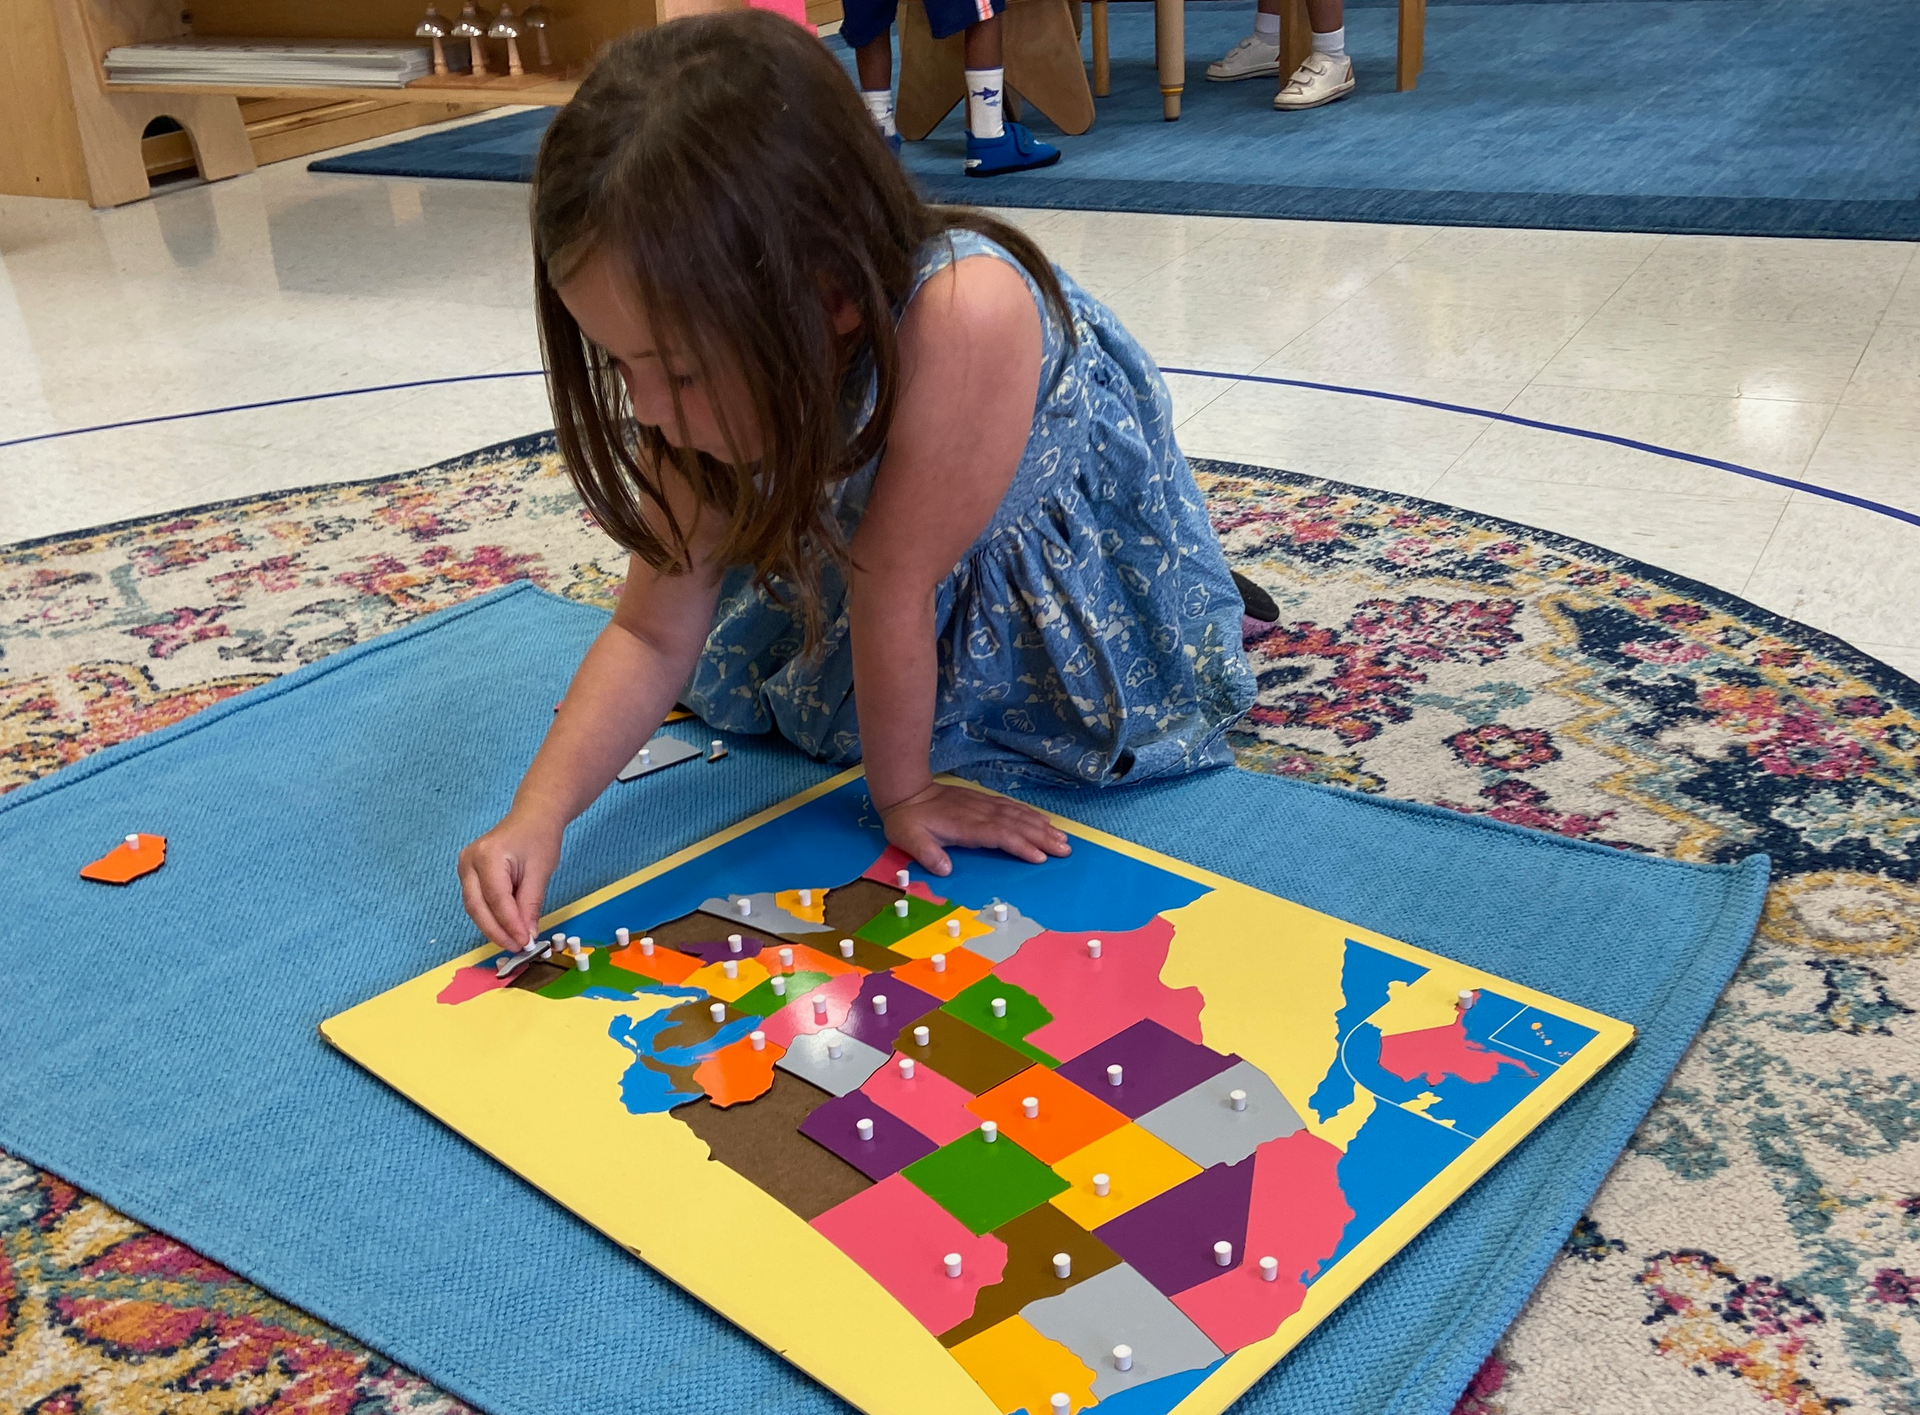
(864, 21)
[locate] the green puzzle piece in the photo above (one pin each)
(764, 1002)
(888, 928)
(600, 974)
(1024, 1014)
(984, 1184)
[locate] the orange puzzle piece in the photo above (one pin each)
(737, 1072)
(135, 856)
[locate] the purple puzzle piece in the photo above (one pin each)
(717, 950)
(1155, 1066)
(905, 1006)
(1169, 1239)
(894, 1146)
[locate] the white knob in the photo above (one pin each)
(1113, 1074)
(1223, 1253)
(1238, 1098)
(880, 1004)
(1059, 1403)
(921, 1036)
(1269, 1269)
(900, 907)
(819, 1007)
(746, 906)
(1102, 1185)
(735, 943)
(806, 899)
(902, 878)
(621, 936)
(952, 1261)
(133, 842)
(863, 1128)
(906, 1068)
(718, 1011)
(1030, 1107)
(1093, 948)
(846, 948)
(646, 947)
(757, 1039)
(999, 913)
(989, 1131)
(835, 1045)
(999, 1007)
(1123, 1358)
(779, 984)
(786, 958)
(953, 928)
(1063, 1265)
(939, 962)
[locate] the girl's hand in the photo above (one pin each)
(504, 874)
(953, 815)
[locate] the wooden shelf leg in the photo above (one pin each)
(1102, 69)
(932, 74)
(1043, 62)
(1413, 44)
(1170, 49)
(1296, 37)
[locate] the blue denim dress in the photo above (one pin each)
(1090, 635)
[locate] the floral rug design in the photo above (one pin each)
(1757, 1249)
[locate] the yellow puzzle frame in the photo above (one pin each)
(630, 1181)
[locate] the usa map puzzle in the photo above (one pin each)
(1110, 1132)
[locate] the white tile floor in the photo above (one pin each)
(1800, 358)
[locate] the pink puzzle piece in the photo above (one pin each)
(900, 1236)
(796, 1019)
(930, 1103)
(1092, 999)
(1296, 1216)
(469, 983)
(887, 869)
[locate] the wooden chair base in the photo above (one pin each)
(1042, 53)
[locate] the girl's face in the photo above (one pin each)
(608, 311)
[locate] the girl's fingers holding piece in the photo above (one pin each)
(477, 910)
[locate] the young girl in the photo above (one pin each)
(892, 486)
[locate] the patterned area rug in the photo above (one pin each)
(1758, 1247)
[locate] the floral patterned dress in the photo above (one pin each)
(1091, 634)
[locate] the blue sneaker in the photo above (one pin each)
(1015, 150)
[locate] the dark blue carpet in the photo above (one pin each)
(1747, 117)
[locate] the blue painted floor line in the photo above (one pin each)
(1845, 498)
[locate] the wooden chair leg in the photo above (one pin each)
(1413, 44)
(933, 74)
(1043, 62)
(1170, 49)
(1296, 37)
(1102, 70)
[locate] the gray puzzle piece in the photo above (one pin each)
(1006, 938)
(1119, 1307)
(807, 1058)
(661, 752)
(1203, 1125)
(762, 913)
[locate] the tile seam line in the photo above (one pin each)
(1753, 473)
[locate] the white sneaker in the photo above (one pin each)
(1252, 58)
(1321, 79)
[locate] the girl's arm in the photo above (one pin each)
(970, 371)
(616, 702)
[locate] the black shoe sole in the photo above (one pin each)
(1255, 602)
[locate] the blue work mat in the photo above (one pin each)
(160, 1048)
(1734, 117)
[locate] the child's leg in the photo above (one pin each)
(1256, 56)
(867, 29)
(1327, 73)
(994, 145)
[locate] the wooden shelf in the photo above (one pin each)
(536, 89)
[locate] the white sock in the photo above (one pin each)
(984, 90)
(1332, 44)
(879, 103)
(1266, 26)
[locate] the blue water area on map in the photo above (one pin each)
(1553, 1040)
(1364, 975)
(834, 839)
(1395, 1153)
(647, 1090)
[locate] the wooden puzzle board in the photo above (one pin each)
(1303, 1090)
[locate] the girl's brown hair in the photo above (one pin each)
(727, 164)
